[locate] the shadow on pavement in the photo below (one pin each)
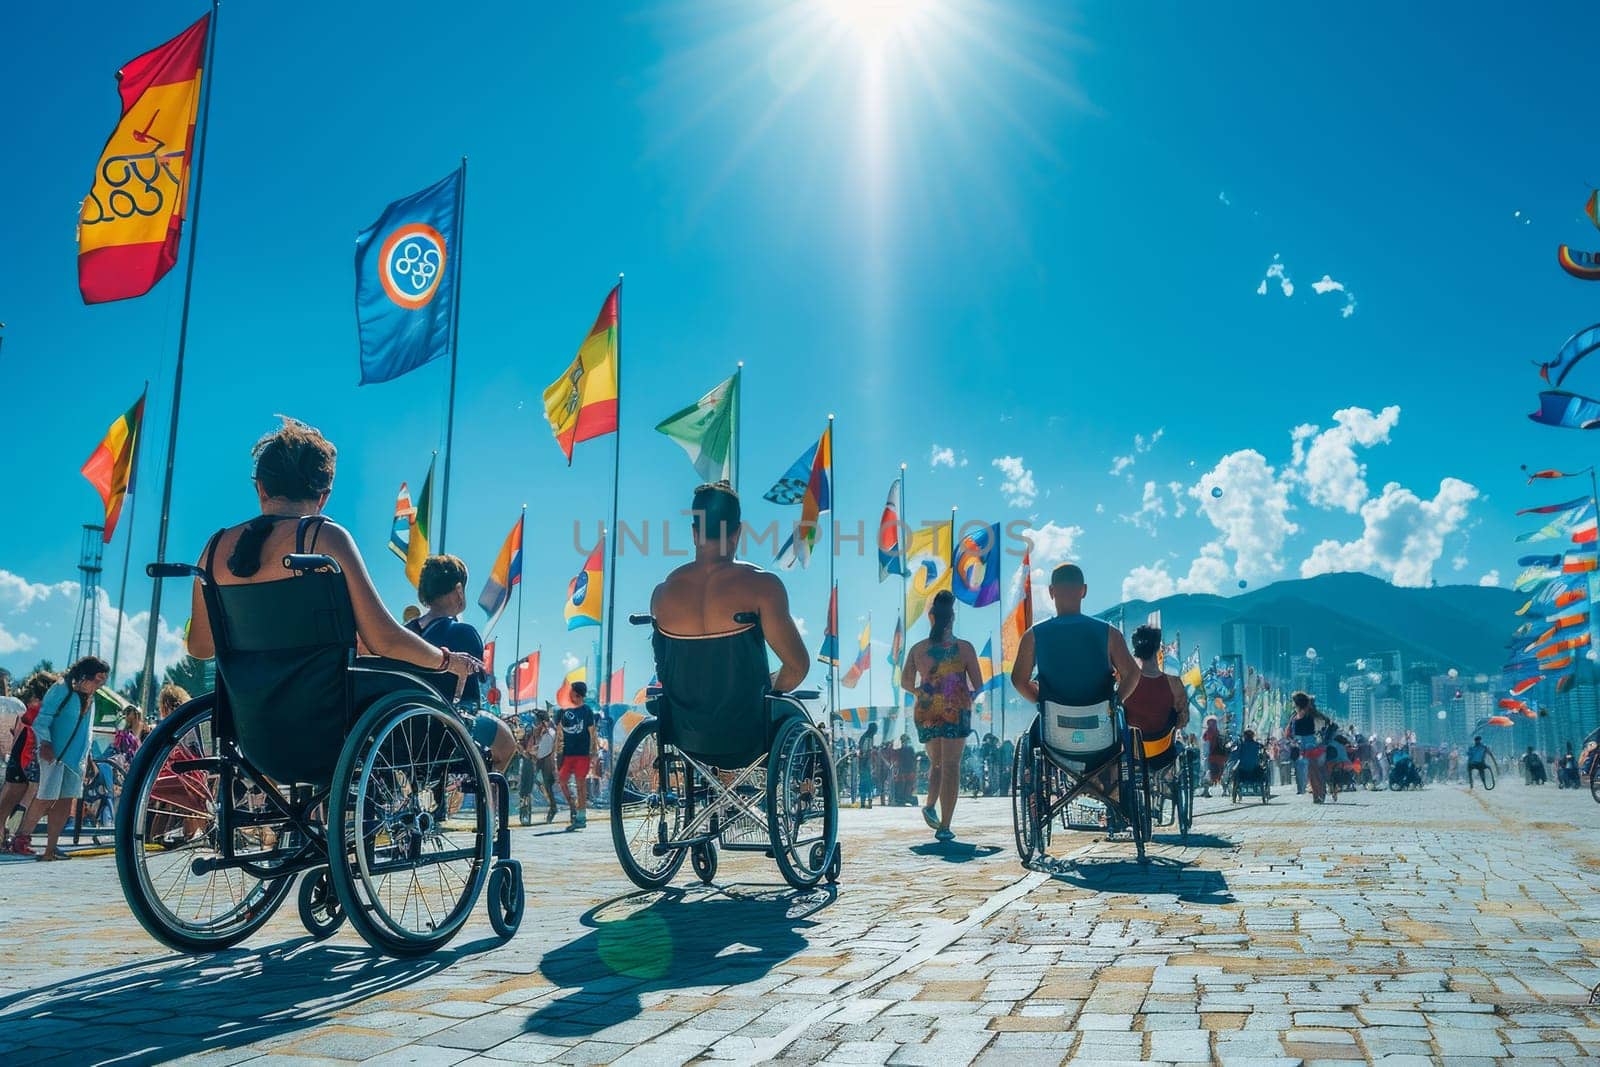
(263, 994)
(667, 940)
(1194, 840)
(1193, 885)
(954, 851)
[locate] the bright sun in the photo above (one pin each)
(875, 22)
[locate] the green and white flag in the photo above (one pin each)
(709, 431)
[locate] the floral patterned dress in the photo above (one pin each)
(944, 701)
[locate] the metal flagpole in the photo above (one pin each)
(204, 139)
(455, 334)
(522, 539)
(616, 497)
(871, 676)
(833, 553)
(127, 542)
(738, 402)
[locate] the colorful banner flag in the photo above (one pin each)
(976, 577)
(1565, 410)
(1551, 509)
(405, 513)
(1551, 473)
(928, 558)
(891, 553)
(860, 718)
(897, 646)
(582, 404)
(791, 488)
(708, 430)
(1561, 524)
(1574, 349)
(584, 592)
(1578, 562)
(421, 524)
(612, 688)
(1556, 596)
(818, 498)
(488, 659)
(504, 576)
(1019, 620)
(109, 467)
(524, 680)
(405, 282)
(863, 660)
(643, 694)
(829, 652)
(991, 677)
(565, 697)
(130, 224)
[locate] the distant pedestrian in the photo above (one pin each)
(942, 671)
(22, 762)
(170, 699)
(540, 746)
(575, 746)
(62, 727)
(1216, 754)
(1305, 729)
(1478, 757)
(866, 759)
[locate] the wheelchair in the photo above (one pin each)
(356, 776)
(1251, 781)
(721, 763)
(1059, 762)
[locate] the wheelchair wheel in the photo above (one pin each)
(802, 804)
(704, 860)
(835, 865)
(1488, 776)
(168, 824)
(1594, 781)
(411, 856)
(507, 898)
(1026, 800)
(320, 911)
(645, 810)
(1135, 808)
(1183, 793)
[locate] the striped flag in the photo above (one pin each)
(405, 513)
(829, 653)
(421, 522)
(582, 403)
(891, 553)
(863, 660)
(109, 467)
(504, 576)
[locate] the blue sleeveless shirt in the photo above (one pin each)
(1074, 666)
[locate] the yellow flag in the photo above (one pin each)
(928, 557)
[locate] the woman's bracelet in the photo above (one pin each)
(444, 664)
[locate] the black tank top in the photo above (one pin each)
(1074, 666)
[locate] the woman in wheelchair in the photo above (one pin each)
(1158, 707)
(307, 759)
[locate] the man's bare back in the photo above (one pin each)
(702, 597)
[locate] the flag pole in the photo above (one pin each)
(616, 497)
(871, 667)
(455, 334)
(833, 554)
(905, 570)
(738, 402)
(522, 539)
(127, 541)
(203, 139)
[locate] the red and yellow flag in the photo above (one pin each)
(565, 697)
(129, 225)
(582, 403)
(1019, 620)
(110, 467)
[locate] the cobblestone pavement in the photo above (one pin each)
(1397, 927)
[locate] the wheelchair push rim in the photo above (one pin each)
(641, 802)
(168, 823)
(802, 804)
(413, 858)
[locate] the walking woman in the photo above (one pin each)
(66, 716)
(1216, 753)
(866, 756)
(942, 672)
(1305, 730)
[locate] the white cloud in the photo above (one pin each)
(1222, 198)
(800, 624)
(1460, 562)
(1327, 285)
(1148, 583)
(1179, 507)
(1276, 272)
(1403, 537)
(1141, 445)
(1120, 464)
(38, 619)
(1099, 509)
(1251, 512)
(570, 663)
(1050, 545)
(1152, 509)
(1327, 464)
(942, 457)
(1018, 487)
(1492, 578)
(1207, 573)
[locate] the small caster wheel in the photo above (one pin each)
(834, 865)
(320, 910)
(704, 860)
(506, 898)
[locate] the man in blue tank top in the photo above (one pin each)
(1081, 661)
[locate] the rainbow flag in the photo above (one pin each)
(1019, 620)
(505, 576)
(863, 660)
(584, 592)
(564, 695)
(405, 513)
(109, 467)
(818, 497)
(897, 645)
(582, 404)
(829, 652)
(130, 223)
(417, 539)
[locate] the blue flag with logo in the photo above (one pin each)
(405, 273)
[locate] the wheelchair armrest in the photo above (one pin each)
(798, 694)
(747, 618)
(303, 561)
(173, 570)
(641, 618)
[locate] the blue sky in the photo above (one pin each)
(1024, 230)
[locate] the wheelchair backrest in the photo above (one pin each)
(283, 656)
(713, 695)
(1078, 733)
